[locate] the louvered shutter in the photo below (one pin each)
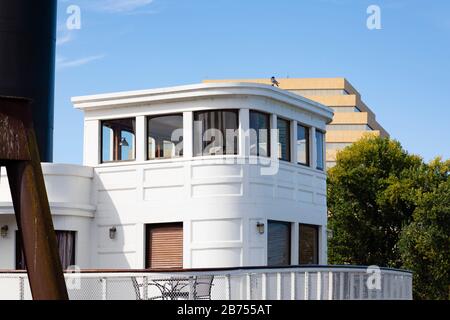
(165, 246)
(279, 243)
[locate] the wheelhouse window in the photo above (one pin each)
(320, 140)
(303, 145)
(216, 132)
(165, 136)
(118, 140)
(309, 244)
(259, 134)
(66, 248)
(284, 139)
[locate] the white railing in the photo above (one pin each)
(292, 283)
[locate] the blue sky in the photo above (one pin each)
(402, 70)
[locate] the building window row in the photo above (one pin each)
(164, 244)
(279, 244)
(215, 132)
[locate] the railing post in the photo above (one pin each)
(403, 287)
(191, 288)
(379, 292)
(21, 289)
(341, 286)
(361, 286)
(278, 285)
(227, 287)
(293, 286)
(306, 286)
(104, 288)
(392, 288)
(145, 288)
(330, 285)
(249, 286)
(352, 286)
(319, 285)
(410, 287)
(264, 286)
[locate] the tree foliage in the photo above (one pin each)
(425, 243)
(388, 208)
(367, 202)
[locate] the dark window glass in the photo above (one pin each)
(284, 139)
(216, 132)
(303, 145)
(279, 243)
(320, 137)
(309, 244)
(118, 139)
(66, 247)
(259, 134)
(165, 136)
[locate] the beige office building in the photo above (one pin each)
(352, 118)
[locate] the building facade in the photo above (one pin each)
(208, 175)
(352, 117)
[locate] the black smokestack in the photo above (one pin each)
(27, 61)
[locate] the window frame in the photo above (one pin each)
(288, 144)
(317, 241)
(20, 256)
(288, 224)
(147, 126)
(269, 140)
(148, 254)
(102, 161)
(236, 147)
(322, 150)
(308, 145)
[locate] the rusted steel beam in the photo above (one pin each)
(12, 131)
(20, 155)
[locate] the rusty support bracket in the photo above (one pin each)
(20, 155)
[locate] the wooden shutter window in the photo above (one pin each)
(164, 246)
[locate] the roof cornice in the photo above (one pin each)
(196, 91)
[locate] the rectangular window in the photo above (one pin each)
(118, 140)
(165, 137)
(303, 145)
(216, 132)
(309, 244)
(279, 243)
(66, 247)
(164, 245)
(320, 137)
(284, 139)
(259, 134)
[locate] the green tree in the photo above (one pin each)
(369, 202)
(425, 243)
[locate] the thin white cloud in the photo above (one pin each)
(120, 6)
(63, 39)
(63, 63)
